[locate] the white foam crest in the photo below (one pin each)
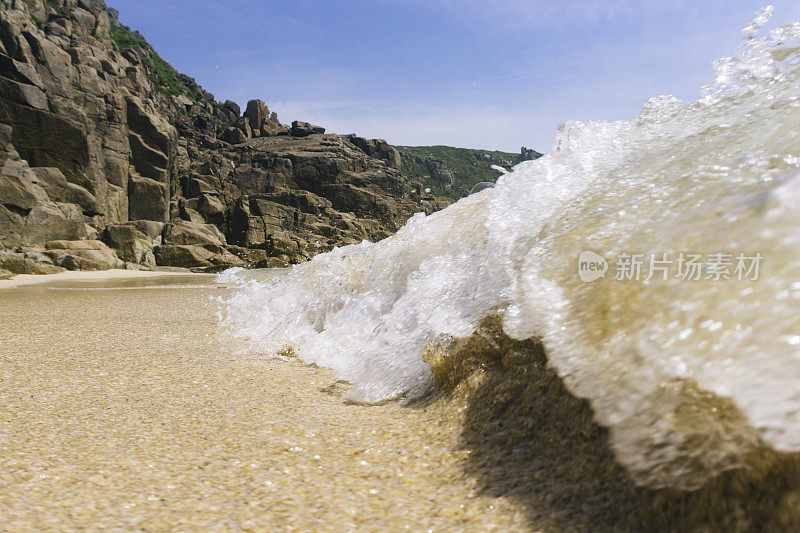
(232, 275)
(712, 176)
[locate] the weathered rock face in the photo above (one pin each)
(82, 255)
(379, 149)
(304, 129)
(256, 122)
(256, 114)
(528, 154)
(133, 244)
(51, 221)
(66, 95)
(153, 158)
(28, 263)
(438, 171)
(57, 187)
(182, 232)
(101, 139)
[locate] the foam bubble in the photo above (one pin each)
(720, 174)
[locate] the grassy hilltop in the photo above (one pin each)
(466, 167)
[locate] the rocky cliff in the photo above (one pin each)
(109, 157)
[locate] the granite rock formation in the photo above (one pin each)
(110, 157)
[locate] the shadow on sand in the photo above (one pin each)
(533, 442)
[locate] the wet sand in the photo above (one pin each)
(121, 406)
(87, 275)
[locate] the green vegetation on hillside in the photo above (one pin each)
(161, 75)
(467, 167)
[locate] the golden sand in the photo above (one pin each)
(124, 408)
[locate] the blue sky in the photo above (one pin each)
(472, 73)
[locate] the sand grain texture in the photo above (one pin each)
(122, 407)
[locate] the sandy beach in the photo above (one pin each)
(86, 275)
(430, 267)
(123, 407)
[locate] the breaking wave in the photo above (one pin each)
(689, 375)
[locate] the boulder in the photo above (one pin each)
(234, 136)
(27, 263)
(304, 129)
(256, 113)
(151, 229)
(195, 256)
(273, 127)
(18, 190)
(82, 255)
(119, 236)
(51, 221)
(148, 199)
(233, 107)
(379, 149)
(438, 171)
(188, 233)
(130, 244)
(185, 256)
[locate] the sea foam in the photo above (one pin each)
(719, 175)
